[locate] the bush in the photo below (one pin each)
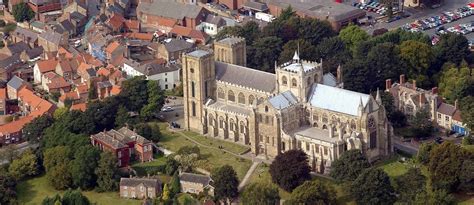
(2, 23)
(468, 140)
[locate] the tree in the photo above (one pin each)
(455, 84)
(59, 113)
(264, 52)
(83, 167)
(349, 166)
(383, 60)
(74, 198)
(7, 188)
(171, 166)
(56, 199)
(466, 175)
(106, 172)
(189, 150)
(166, 193)
(290, 169)
(55, 156)
(314, 30)
(424, 153)
(136, 92)
(452, 48)
(445, 165)
(372, 186)
(417, 56)
(396, 117)
(421, 125)
(333, 52)
(60, 177)
(467, 111)
(225, 182)
(122, 117)
(410, 184)
(9, 153)
(22, 12)
(260, 193)
(353, 35)
(313, 192)
(92, 93)
(175, 185)
(186, 161)
(34, 130)
(306, 50)
(26, 165)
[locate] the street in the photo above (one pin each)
(20, 148)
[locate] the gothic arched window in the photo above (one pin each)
(251, 99)
(221, 93)
(241, 98)
(284, 81)
(294, 83)
(231, 96)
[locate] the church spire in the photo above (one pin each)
(361, 107)
(296, 57)
(378, 98)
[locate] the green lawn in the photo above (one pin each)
(211, 158)
(34, 190)
(229, 146)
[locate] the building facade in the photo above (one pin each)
(295, 108)
(140, 188)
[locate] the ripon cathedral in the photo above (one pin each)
(298, 107)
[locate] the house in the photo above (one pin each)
(104, 89)
(54, 83)
(76, 6)
(196, 183)
(87, 73)
(24, 35)
(32, 55)
(410, 99)
(31, 106)
(140, 188)
(44, 6)
(115, 50)
(167, 75)
(132, 26)
(173, 49)
(43, 66)
(165, 14)
(14, 48)
(65, 68)
(3, 101)
(51, 41)
(116, 22)
(13, 86)
(9, 65)
(79, 106)
(124, 143)
(212, 25)
(194, 35)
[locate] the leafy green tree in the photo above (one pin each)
(454, 83)
(264, 52)
(26, 165)
(313, 192)
(9, 153)
(107, 174)
(373, 186)
(189, 150)
(353, 35)
(452, 48)
(435, 197)
(384, 61)
(52, 200)
(74, 198)
(467, 111)
(122, 117)
(306, 50)
(136, 92)
(424, 153)
(171, 166)
(260, 193)
(7, 188)
(166, 193)
(417, 56)
(34, 130)
(290, 169)
(83, 167)
(103, 113)
(92, 93)
(466, 175)
(396, 117)
(22, 12)
(175, 185)
(349, 166)
(421, 125)
(56, 156)
(314, 30)
(409, 185)
(333, 52)
(225, 182)
(250, 31)
(186, 161)
(59, 113)
(445, 165)
(60, 177)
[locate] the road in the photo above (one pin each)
(21, 148)
(404, 146)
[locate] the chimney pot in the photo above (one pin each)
(434, 90)
(388, 84)
(402, 79)
(414, 84)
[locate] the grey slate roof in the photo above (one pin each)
(169, 9)
(133, 135)
(230, 40)
(67, 25)
(15, 82)
(198, 53)
(10, 61)
(52, 37)
(76, 16)
(18, 47)
(329, 79)
(283, 100)
(154, 68)
(133, 182)
(35, 52)
(195, 178)
(216, 20)
(256, 5)
(178, 45)
(337, 99)
(446, 109)
(104, 84)
(247, 77)
(109, 140)
(316, 133)
(19, 31)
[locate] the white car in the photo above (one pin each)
(167, 109)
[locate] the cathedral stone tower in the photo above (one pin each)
(198, 83)
(231, 50)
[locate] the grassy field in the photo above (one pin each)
(229, 146)
(211, 158)
(33, 191)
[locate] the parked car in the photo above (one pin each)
(167, 109)
(175, 125)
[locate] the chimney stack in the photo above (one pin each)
(434, 90)
(414, 85)
(388, 84)
(339, 74)
(402, 79)
(420, 96)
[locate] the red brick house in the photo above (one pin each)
(123, 143)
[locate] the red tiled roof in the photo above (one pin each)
(47, 65)
(81, 106)
(103, 72)
(116, 21)
(457, 116)
(69, 95)
(38, 105)
(181, 30)
(132, 24)
(115, 90)
(66, 53)
(198, 35)
(58, 82)
(3, 93)
(112, 46)
(166, 22)
(82, 88)
(15, 126)
(140, 36)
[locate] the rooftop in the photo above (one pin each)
(337, 99)
(178, 45)
(169, 9)
(243, 76)
(283, 100)
(133, 182)
(195, 178)
(317, 134)
(15, 82)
